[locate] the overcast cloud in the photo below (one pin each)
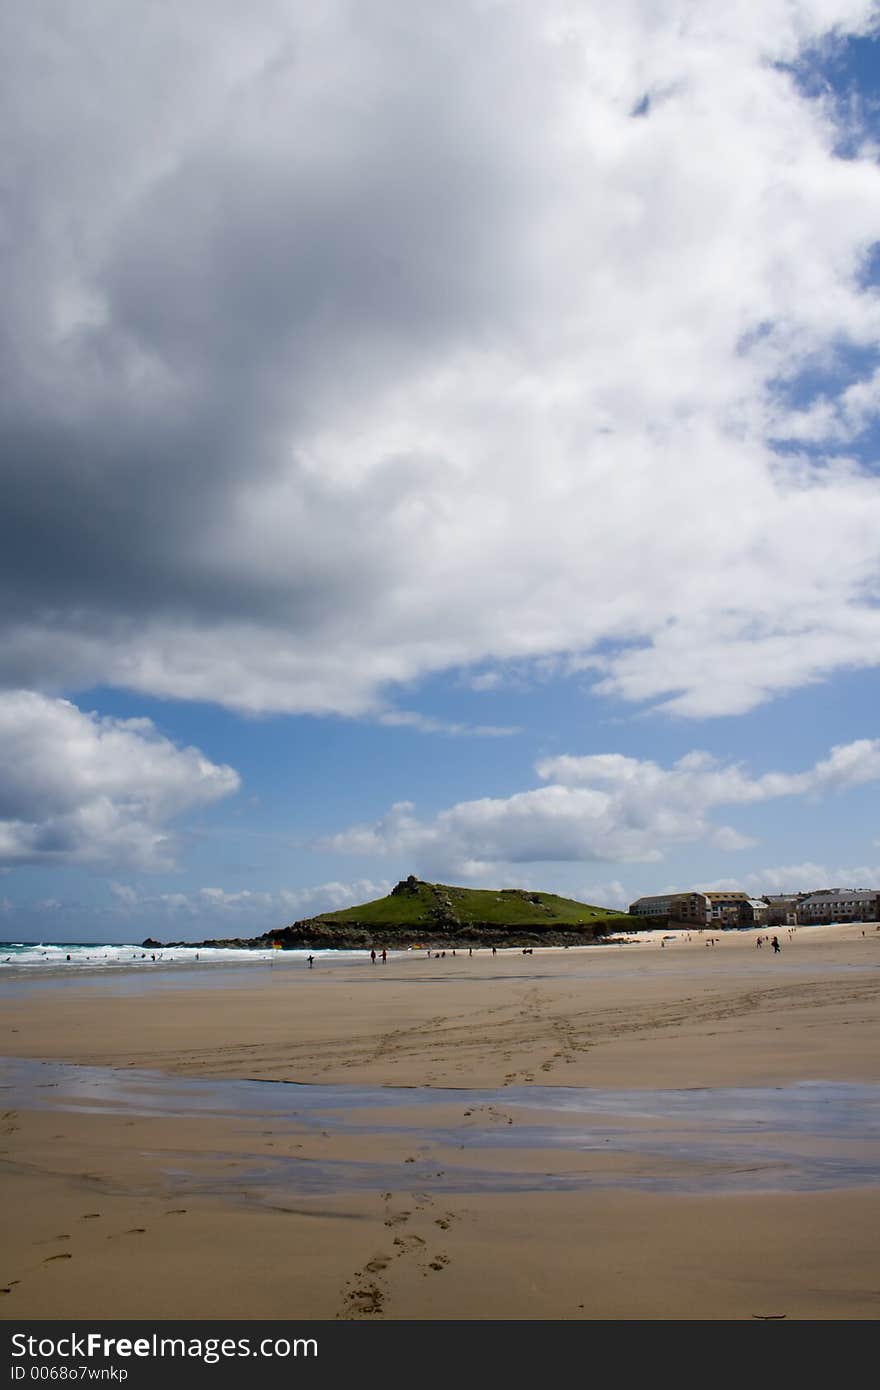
(349, 343)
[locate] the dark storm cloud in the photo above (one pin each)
(327, 231)
(345, 343)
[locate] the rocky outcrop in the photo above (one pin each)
(409, 885)
(439, 932)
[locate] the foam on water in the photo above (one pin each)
(67, 956)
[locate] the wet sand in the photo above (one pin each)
(102, 1221)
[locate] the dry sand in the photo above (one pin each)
(95, 1225)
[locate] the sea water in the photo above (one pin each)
(45, 956)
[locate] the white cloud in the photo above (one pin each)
(125, 895)
(608, 894)
(717, 885)
(79, 789)
(808, 876)
(327, 897)
(243, 911)
(422, 383)
(409, 719)
(604, 807)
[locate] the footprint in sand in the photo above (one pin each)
(364, 1301)
(90, 1216)
(398, 1218)
(64, 1256)
(408, 1244)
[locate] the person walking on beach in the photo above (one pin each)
(311, 961)
(384, 955)
(373, 956)
(776, 946)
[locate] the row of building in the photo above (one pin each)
(739, 910)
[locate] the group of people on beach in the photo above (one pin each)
(774, 942)
(437, 955)
(441, 955)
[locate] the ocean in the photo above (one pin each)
(77, 956)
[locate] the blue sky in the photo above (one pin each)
(482, 488)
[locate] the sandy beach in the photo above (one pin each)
(125, 1209)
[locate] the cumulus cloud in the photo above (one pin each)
(799, 878)
(605, 807)
(716, 783)
(350, 343)
(79, 789)
(610, 893)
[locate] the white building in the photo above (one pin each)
(841, 905)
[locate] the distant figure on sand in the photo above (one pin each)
(384, 955)
(494, 952)
(775, 944)
(373, 957)
(311, 961)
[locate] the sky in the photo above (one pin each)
(435, 439)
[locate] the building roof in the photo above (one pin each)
(826, 894)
